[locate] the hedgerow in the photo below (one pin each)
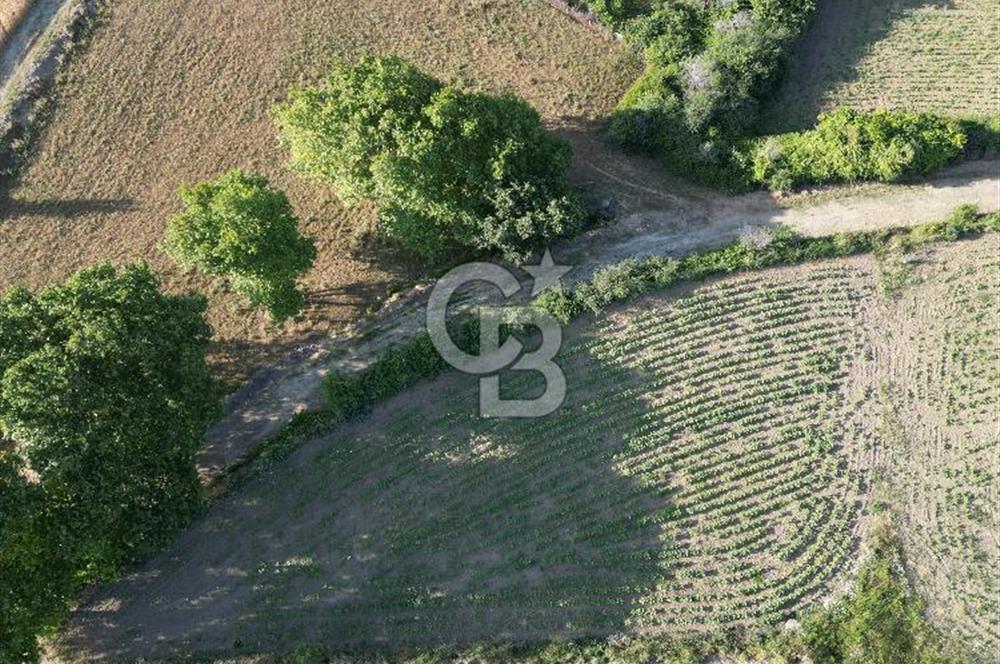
(631, 277)
(353, 395)
(849, 146)
(707, 67)
(449, 169)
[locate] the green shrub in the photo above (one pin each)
(613, 13)
(451, 170)
(848, 146)
(881, 622)
(632, 277)
(708, 65)
(241, 228)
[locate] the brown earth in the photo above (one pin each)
(174, 92)
(11, 12)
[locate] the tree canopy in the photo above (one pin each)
(104, 398)
(241, 228)
(448, 168)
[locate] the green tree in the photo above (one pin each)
(336, 131)
(36, 576)
(449, 169)
(104, 399)
(241, 228)
(105, 391)
(481, 173)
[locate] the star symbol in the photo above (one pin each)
(546, 274)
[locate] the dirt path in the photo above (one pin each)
(654, 219)
(25, 36)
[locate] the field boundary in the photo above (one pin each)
(24, 105)
(634, 277)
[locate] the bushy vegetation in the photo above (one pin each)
(104, 397)
(241, 228)
(849, 146)
(449, 169)
(880, 622)
(708, 65)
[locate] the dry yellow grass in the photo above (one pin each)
(11, 12)
(172, 92)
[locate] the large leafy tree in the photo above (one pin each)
(36, 569)
(448, 168)
(241, 228)
(480, 173)
(336, 131)
(104, 399)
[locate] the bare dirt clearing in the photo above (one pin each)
(712, 467)
(910, 54)
(175, 92)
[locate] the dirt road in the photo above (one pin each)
(656, 217)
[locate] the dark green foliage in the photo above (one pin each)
(400, 367)
(338, 130)
(982, 137)
(449, 169)
(881, 622)
(850, 146)
(105, 394)
(708, 65)
(241, 228)
(482, 173)
(36, 578)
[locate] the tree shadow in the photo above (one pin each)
(828, 55)
(422, 525)
(67, 208)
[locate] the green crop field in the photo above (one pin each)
(715, 463)
(936, 57)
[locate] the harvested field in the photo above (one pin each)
(910, 54)
(712, 467)
(174, 92)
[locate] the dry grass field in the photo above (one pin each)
(10, 13)
(721, 448)
(911, 54)
(176, 91)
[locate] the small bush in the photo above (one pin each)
(241, 228)
(881, 622)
